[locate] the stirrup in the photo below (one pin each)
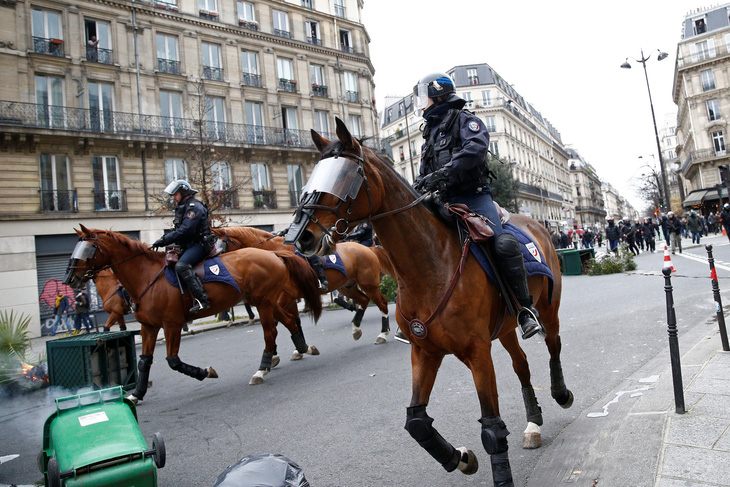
(398, 335)
(199, 306)
(324, 285)
(528, 322)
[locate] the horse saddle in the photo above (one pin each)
(210, 270)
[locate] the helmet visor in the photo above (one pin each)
(172, 188)
(420, 96)
(338, 176)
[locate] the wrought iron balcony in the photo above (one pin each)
(319, 90)
(265, 199)
(289, 85)
(352, 96)
(248, 24)
(99, 55)
(52, 47)
(250, 79)
(204, 14)
(61, 201)
(314, 40)
(282, 33)
(168, 66)
(226, 198)
(347, 49)
(110, 200)
(213, 73)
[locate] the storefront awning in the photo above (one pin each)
(695, 198)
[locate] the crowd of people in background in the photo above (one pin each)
(63, 309)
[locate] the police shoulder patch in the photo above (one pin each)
(473, 126)
(191, 214)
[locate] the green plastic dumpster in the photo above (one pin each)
(95, 360)
(93, 439)
(572, 261)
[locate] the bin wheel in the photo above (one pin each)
(39, 459)
(158, 444)
(54, 473)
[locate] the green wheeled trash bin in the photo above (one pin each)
(572, 260)
(93, 439)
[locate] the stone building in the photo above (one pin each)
(590, 209)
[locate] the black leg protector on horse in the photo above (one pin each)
(345, 304)
(557, 383)
(534, 413)
(299, 342)
(384, 324)
(494, 439)
(418, 425)
(357, 319)
(143, 377)
(266, 361)
(179, 366)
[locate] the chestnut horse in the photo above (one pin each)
(445, 305)
(272, 281)
(362, 267)
(107, 286)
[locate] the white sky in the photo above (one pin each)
(563, 57)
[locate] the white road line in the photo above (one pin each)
(698, 258)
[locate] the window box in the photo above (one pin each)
(56, 41)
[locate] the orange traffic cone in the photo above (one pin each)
(668, 259)
(724, 233)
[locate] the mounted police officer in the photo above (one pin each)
(453, 162)
(192, 233)
(363, 234)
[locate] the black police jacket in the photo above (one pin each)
(612, 232)
(190, 223)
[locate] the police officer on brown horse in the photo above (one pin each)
(453, 162)
(192, 233)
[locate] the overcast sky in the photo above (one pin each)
(563, 57)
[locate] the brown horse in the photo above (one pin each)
(362, 267)
(269, 280)
(437, 317)
(107, 286)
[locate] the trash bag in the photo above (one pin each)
(265, 470)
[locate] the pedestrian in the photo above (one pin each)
(725, 218)
(648, 230)
(639, 234)
(192, 233)
(613, 234)
(629, 236)
(82, 312)
(664, 224)
(711, 223)
(564, 240)
(599, 237)
(675, 232)
(60, 312)
(555, 239)
(694, 226)
(453, 163)
(575, 238)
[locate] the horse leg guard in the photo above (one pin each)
(357, 319)
(534, 413)
(494, 439)
(143, 377)
(190, 370)
(266, 361)
(560, 393)
(418, 425)
(345, 304)
(299, 342)
(384, 325)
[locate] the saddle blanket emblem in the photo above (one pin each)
(332, 258)
(418, 329)
(215, 269)
(532, 249)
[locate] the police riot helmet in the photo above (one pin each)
(727, 205)
(434, 85)
(181, 186)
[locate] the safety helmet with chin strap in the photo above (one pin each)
(181, 186)
(434, 85)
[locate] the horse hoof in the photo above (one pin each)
(468, 464)
(212, 374)
(133, 398)
(531, 441)
(380, 339)
(275, 361)
(568, 402)
(255, 380)
(296, 356)
(356, 333)
(313, 350)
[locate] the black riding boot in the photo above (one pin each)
(512, 266)
(191, 280)
(316, 264)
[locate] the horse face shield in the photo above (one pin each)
(83, 252)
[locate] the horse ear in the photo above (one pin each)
(319, 141)
(84, 229)
(79, 232)
(344, 134)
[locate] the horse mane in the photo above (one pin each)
(251, 235)
(133, 245)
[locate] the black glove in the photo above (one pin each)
(436, 181)
(158, 243)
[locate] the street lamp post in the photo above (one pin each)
(643, 60)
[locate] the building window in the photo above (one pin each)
(700, 27)
(254, 122)
(402, 153)
(245, 11)
(250, 67)
(56, 192)
(50, 99)
(107, 188)
(215, 116)
(47, 32)
(487, 98)
(321, 123)
(467, 98)
(703, 50)
(307, 4)
(208, 9)
(290, 123)
(259, 177)
(494, 148)
(713, 109)
(98, 42)
(708, 80)
(471, 73)
(340, 9)
(220, 176)
(346, 41)
(281, 24)
(351, 93)
(718, 142)
(171, 112)
(311, 29)
(101, 106)
(175, 169)
(167, 55)
(285, 69)
(316, 73)
(294, 176)
(491, 124)
(354, 126)
(212, 68)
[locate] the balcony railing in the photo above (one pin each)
(294, 198)
(314, 40)
(61, 201)
(250, 79)
(319, 90)
(204, 14)
(352, 96)
(265, 199)
(289, 85)
(32, 115)
(53, 47)
(213, 73)
(168, 66)
(99, 55)
(248, 24)
(282, 33)
(110, 200)
(226, 198)
(347, 49)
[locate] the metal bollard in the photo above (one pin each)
(673, 344)
(718, 299)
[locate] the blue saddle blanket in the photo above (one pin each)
(333, 261)
(215, 271)
(534, 260)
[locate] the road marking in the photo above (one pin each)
(698, 258)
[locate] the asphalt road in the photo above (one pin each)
(340, 415)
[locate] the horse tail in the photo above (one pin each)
(304, 277)
(386, 265)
